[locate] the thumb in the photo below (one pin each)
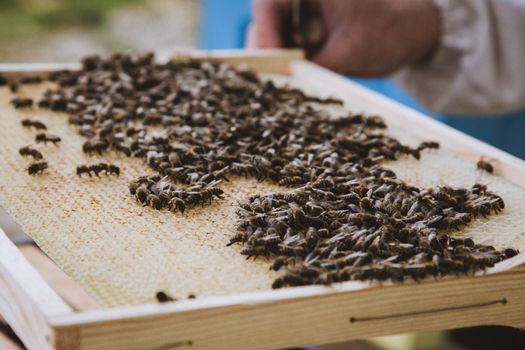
(270, 18)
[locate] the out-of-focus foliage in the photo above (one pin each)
(25, 16)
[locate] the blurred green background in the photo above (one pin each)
(64, 30)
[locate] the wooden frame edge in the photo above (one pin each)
(27, 301)
(304, 315)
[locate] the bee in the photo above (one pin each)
(95, 146)
(98, 168)
(142, 193)
(28, 123)
(45, 138)
(29, 151)
(113, 170)
(428, 145)
(13, 87)
(30, 79)
(278, 263)
(177, 204)
(37, 168)
(278, 283)
(163, 297)
(154, 201)
(484, 165)
(22, 102)
(291, 181)
(83, 169)
(237, 238)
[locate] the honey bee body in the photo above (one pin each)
(45, 138)
(29, 151)
(37, 168)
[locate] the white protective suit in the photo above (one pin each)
(479, 67)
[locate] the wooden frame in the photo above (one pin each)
(283, 318)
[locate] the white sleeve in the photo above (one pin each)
(479, 67)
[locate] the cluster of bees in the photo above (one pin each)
(367, 226)
(196, 123)
(39, 165)
(161, 194)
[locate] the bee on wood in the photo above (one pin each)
(29, 151)
(95, 146)
(484, 165)
(45, 138)
(237, 238)
(113, 170)
(83, 169)
(163, 297)
(177, 204)
(291, 181)
(22, 102)
(428, 145)
(278, 263)
(142, 194)
(99, 168)
(278, 283)
(37, 168)
(30, 79)
(28, 123)
(154, 201)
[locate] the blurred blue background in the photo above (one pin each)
(223, 24)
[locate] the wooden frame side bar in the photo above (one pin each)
(27, 302)
(358, 98)
(303, 316)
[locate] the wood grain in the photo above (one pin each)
(69, 290)
(309, 315)
(26, 300)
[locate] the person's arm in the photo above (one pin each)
(479, 66)
(455, 56)
(363, 37)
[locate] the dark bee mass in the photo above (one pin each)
(30, 79)
(28, 123)
(45, 138)
(28, 151)
(485, 166)
(344, 216)
(20, 102)
(37, 168)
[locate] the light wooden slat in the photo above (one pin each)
(69, 290)
(16, 70)
(275, 61)
(358, 98)
(310, 315)
(26, 300)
